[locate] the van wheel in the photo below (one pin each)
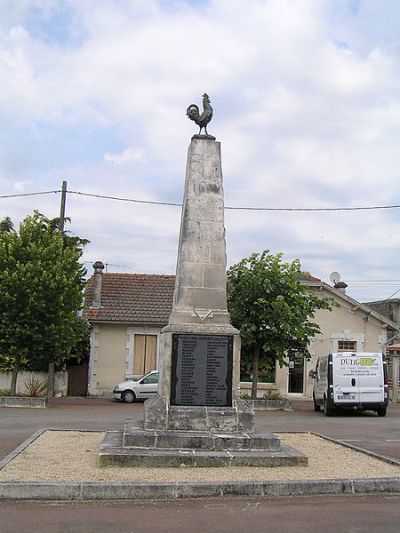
(128, 396)
(317, 407)
(381, 411)
(327, 410)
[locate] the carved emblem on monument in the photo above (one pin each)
(203, 315)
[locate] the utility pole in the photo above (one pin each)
(51, 370)
(62, 207)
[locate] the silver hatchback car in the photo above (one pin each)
(143, 388)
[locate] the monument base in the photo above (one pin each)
(137, 447)
(199, 381)
(158, 415)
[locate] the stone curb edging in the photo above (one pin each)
(32, 402)
(375, 455)
(12, 455)
(176, 491)
(37, 490)
(270, 405)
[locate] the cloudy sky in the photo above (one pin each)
(306, 97)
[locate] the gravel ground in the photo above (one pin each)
(71, 456)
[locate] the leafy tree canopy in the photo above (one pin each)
(272, 309)
(41, 284)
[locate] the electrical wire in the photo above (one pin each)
(28, 194)
(303, 209)
(237, 208)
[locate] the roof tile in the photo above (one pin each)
(133, 298)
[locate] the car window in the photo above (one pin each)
(153, 378)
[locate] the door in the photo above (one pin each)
(296, 373)
(148, 386)
(78, 380)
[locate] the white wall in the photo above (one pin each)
(60, 381)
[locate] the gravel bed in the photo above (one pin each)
(71, 456)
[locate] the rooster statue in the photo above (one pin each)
(201, 120)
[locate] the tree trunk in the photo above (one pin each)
(14, 376)
(256, 360)
(50, 380)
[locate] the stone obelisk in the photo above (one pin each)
(197, 417)
(200, 354)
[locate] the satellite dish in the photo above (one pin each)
(335, 277)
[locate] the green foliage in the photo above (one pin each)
(41, 284)
(272, 309)
(266, 368)
(272, 394)
(4, 392)
(6, 225)
(80, 352)
(7, 363)
(35, 386)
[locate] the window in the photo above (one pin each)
(153, 378)
(145, 354)
(347, 346)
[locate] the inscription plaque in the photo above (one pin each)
(201, 370)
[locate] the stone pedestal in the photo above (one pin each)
(197, 418)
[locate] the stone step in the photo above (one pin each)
(113, 453)
(137, 437)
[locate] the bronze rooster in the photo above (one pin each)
(201, 120)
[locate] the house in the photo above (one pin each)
(391, 309)
(349, 327)
(128, 311)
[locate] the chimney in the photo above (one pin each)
(98, 268)
(341, 286)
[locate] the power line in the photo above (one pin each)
(29, 194)
(237, 208)
(92, 195)
(381, 302)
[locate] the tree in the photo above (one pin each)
(41, 284)
(6, 225)
(272, 309)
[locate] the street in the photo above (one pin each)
(318, 514)
(312, 513)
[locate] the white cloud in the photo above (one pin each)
(127, 156)
(306, 105)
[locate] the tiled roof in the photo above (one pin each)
(131, 298)
(306, 276)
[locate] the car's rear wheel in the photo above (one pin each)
(317, 407)
(327, 410)
(128, 396)
(381, 411)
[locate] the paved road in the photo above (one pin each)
(338, 514)
(366, 430)
(317, 514)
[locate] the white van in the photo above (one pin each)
(351, 380)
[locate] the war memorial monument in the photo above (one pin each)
(197, 419)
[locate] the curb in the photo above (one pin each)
(176, 491)
(30, 402)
